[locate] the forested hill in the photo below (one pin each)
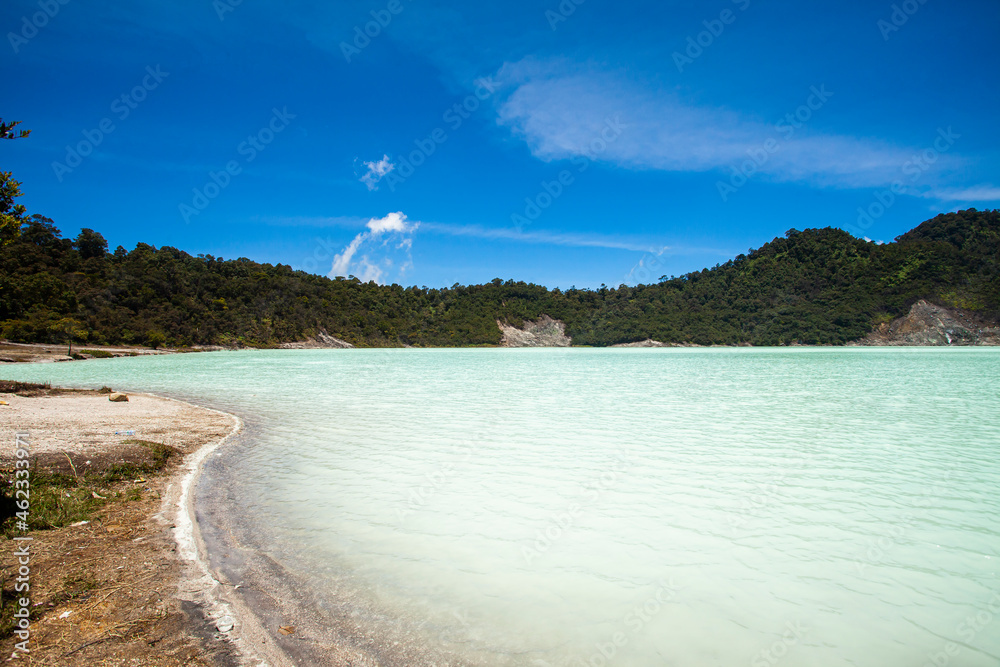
(817, 286)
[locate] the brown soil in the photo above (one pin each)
(111, 591)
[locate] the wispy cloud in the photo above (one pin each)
(559, 108)
(376, 170)
(977, 193)
(542, 237)
(475, 231)
(383, 247)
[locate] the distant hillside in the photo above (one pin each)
(818, 286)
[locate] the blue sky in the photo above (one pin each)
(558, 143)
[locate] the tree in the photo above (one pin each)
(155, 339)
(71, 328)
(7, 130)
(11, 214)
(90, 244)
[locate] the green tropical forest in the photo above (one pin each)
(815, 286)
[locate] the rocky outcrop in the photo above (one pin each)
(321, 341)
(928, 324)
(649, 342)
(544, 332)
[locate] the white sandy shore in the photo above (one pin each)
(86, 425)
(90, 424)
(252, 641)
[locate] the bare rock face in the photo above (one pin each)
(322, 341)
(928, 324)
(544, 332)
(649, 342)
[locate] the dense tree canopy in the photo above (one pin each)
(812, 286)
(11, 214)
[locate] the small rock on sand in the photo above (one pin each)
(118, 397)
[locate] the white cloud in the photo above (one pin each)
(560, 111)
(972, 194)
(535, 236)
(541, 236)
(376, 170)
(370, 254)
(342, 262)
(394, 222)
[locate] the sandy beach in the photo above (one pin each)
(129, 586)
(149, 578)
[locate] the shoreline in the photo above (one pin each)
(178, 510)
(330, 616)
(328, 621)
(233, 618)
(159, 508)
(231, 604)
(323, 627)
(926, 324)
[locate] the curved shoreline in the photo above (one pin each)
(332, 625)
(222, 563)
(161, 589)
(251, 643)
(228, 573)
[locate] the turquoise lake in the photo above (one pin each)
(732, 506)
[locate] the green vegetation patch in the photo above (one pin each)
(98, 354)
(159, 454)
(810, 286)
(58, 499)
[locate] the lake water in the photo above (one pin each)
(801, 506)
